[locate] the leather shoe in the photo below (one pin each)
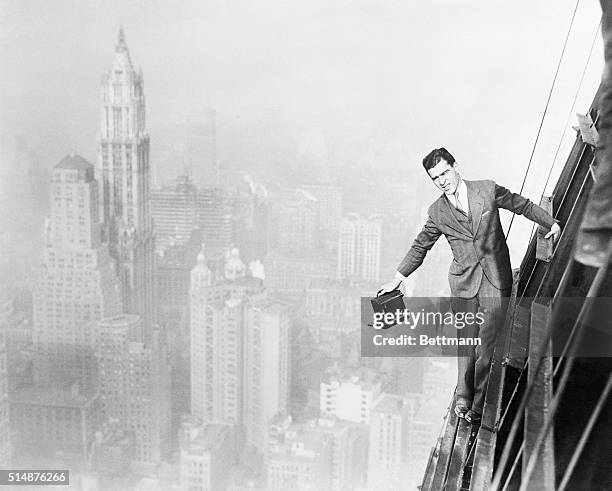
(461, 410)
(473, 417)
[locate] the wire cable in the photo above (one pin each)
(535, 143)
(569, 117)
(571, 111)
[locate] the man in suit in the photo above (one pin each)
(480, 276)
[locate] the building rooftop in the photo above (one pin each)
(180, 185)
(206, 438)
(74, 161)
(366, 377)
(300, 442)
(270, 304)
(389, 404)
(180, 256)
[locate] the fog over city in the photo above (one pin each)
(280, 182)
(380, 82)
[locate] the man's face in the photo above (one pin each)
(445, 177)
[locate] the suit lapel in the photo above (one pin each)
(476, 204)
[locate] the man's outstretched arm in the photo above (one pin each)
(414, 257)
(522, 206)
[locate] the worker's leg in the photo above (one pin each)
(493, 304)
(466, 355)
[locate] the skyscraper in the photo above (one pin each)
(206, 328)
(267, 366)
(123, 171)
(388, 440)
(217, 362)
(330, 207)
(174, 211)
(148, 397)
(251, 220)
(221, 322)
(359, 247)
(173, 277)
(215, 218)
(180, 207)
(135, 383)
(76, 283)
(297, 221)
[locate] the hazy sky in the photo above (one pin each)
(381, 81)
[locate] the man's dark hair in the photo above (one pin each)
(433, 158)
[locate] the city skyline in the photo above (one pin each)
(107, 365)
(214, 83)
(190, 317)
(365, 99)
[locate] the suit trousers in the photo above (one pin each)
(473, 362)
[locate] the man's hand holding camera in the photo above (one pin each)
(394, 284)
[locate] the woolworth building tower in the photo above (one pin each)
(124, 174)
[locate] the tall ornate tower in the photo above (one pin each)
(123, 171)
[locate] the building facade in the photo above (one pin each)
(216, 351)
(349, 394)
(297, 221)
(50, 419)
(174, 212)
(124, 174)
(267, 368)
(239, 351)
(387, 457)
(215, 218)
(135, 384)
(299, 456)
(293, 273)
(330, 208)
(359, 247)
(76, 285)
(207, 454)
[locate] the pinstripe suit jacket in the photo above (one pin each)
(478, 246)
